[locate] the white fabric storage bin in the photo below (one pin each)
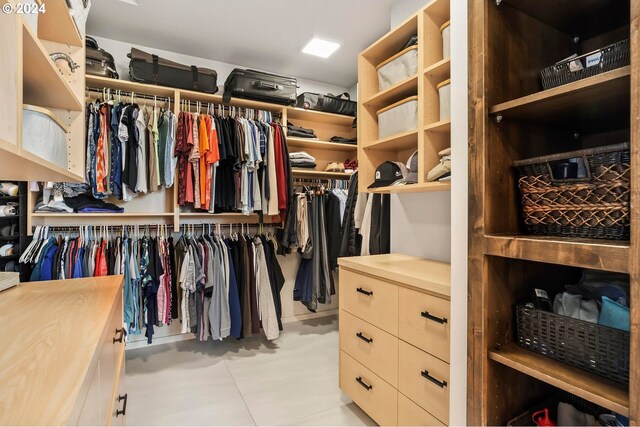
(43, 135)
(445, 29)
(444, 92)
(399, 117)
(400, 66)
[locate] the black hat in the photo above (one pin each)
(386, 174)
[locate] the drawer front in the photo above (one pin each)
(425, 380)
(375, 396)
(112, 351)
(410, 414)
(424, 322)
(370, 299)
(371, 346)
(118, 410)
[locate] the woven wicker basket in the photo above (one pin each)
(596, 206)
(592, 347)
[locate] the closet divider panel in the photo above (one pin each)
(11, 84)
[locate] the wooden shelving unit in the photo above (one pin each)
(514, 119)
(431, 135)
(31, 77)
(164, 209)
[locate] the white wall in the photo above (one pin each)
(119, 50)
(401, 9)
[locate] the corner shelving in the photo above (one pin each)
(513, 118)
(57, 25)
(430, 135)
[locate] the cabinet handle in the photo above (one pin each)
(124, 407)
(362, 291)
(363, 338)
(119, 334)
(363, 384)
(441, 384)
(441, 320)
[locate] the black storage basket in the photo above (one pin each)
(594, 207)
(589, 346)
(608, 58)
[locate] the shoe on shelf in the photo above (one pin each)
(8, 188)
(331, 167)
(8, 210)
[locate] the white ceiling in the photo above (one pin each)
(264, 34)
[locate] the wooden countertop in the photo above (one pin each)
(419, 273)
(49, 334)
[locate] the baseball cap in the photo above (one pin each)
(412, 175)
(386, 174)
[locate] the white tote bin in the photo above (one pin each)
(44, 135)
(444, 92)
(399, 117)
(445, 29)
(400, 66)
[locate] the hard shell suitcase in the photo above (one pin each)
(98, 61)
(328, 103)
(252, 84)
(147, 68)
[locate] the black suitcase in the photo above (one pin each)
(147, 68)
(328, 103)
(252, 84)
(98, 61)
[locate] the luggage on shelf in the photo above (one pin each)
(147, 68)
(98, 61)
(329, 103)
(260, 86)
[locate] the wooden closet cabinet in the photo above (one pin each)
(63, 354)
(394, 338)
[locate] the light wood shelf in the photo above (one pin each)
(440, 71)
(596, 389)
(391, 43)
(426, 187)
(57, 25)
(302, 173)
(400, 141)
(319, 145)
(100, 215)
(586, 253)
(32, 167)
(439, 9)
(319, 116)
(400, 90)
(440, 127)
(128, 86)
(44, 85)
(593, 97)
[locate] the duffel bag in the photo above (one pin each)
(147, 68)
(328, 103)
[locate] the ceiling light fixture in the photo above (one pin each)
(321, 48)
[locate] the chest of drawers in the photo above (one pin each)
(394, 338)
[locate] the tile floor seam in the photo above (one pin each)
(293, 421)
(224, 359)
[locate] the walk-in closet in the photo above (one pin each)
(322, 213)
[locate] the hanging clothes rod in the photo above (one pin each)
(188, 104)
(112, 93)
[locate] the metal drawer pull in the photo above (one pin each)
(363, 384)
(441, 384)
(440, 320)
(120, 334)
(363, 338)
(124, 407)
(362, 291)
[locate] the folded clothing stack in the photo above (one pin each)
(301, 159)
(343, 140)
(442, 171)
(85, 203)
(300, 132)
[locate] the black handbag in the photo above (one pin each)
(328, 103)
(147, 68)
(261, 86)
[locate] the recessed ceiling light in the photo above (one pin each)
(321, 48)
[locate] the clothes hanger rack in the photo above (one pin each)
(112, 94)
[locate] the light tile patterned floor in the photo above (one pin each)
(290, 381)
